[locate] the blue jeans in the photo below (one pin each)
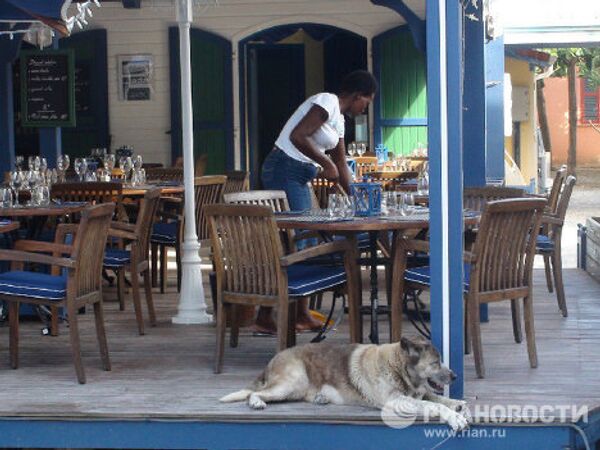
(284, 173)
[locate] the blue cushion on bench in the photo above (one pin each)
(544, 243)
(114, 257)
(422, 275)
(164, 233)
(33, 284)
(306, 279)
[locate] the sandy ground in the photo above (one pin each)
(585, 203)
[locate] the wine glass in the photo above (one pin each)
(109, 162)
(15, 184)
(66, 162)
(80, 167)
(361, 148)
(137, 162)
(19, 160)
(352, 148)
(127, 166)
(43, 165)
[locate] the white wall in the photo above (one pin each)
(130, 31)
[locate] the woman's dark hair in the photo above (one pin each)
(359, 81)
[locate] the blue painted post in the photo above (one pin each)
(8, 52)
(51, 138)
(474, 120)
(444, 102)
(494, 74)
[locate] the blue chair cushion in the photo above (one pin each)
(114, 257)
(544, 244)
(164, 233)
(361, 238)
(33, 285)
(306, 279)
(422, 275)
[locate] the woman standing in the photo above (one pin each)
(299, 155)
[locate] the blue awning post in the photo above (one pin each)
(494, 70)
(474, 123)
(51, 138)
(415, 23)
(9, 50)
(444, 104)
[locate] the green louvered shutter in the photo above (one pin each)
(212, 101)
(401, 105)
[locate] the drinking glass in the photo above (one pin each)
(407, 202)
(109, 162)
(352, 148)
(30, 162)
(79, 170)
(66, 162)
(137, 162)
(43, 165)
(127, 166)
(37, 162)
(15, 184)
(361, 148)
(19, 160)
(6, 198)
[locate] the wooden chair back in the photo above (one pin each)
(321, 188)
(145, 220)
(237, 181)
(565, 197)
(505, 247)
(365, 165)
(392, 181)
(164, 174)
(207, 191)
(557, 184)
(247, 249)
(475, 198)
(91, 192)
(88, 249)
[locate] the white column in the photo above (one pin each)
(192, 303)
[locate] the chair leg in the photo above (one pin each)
(149, 298)
(558, 281)
(54, 321)
(234, 320)
(137, 303)
(75, 344)
(13, 343)
(121, 289)
(282, 323)
(154, 263)
(291, 331)
(515, 309)
(530, 331)
(178, 262)
(476, 336)
(163, 268)
(101, 334)
(548, 272)
(221, 325)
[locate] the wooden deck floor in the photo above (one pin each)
(167, 373)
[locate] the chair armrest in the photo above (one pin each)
(115, 232)
(416, 245)
(43, 247)
(312, 252)
(123, 226)
(175, 201)
(551, 219)
(20, 256)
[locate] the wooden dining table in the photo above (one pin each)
(399, 226)
(39, 214)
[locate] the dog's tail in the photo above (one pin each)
(238, 396)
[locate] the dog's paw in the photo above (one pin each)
(321, 399)
(456, 421)
(460, 406)
(255, 402)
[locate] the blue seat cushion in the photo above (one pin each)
(306, 279)
(362, 240)
(114, 257)
(164, 233)
(33, 285)
(422, 275)
(544, 244)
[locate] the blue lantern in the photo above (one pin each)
(381, 151)
(367, 198)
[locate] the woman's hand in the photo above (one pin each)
(330, 171)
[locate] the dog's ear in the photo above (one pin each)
(412, 350)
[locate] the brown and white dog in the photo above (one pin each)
(404, 376)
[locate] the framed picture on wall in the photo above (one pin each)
(135, 75)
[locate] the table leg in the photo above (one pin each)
(355, 301)
(374, 335)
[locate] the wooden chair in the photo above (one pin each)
(557, 185)
(237, 181)
(476, 198)
(81, 285)
(365, 165)
(549, 242)
(498, 268)
(174, 174)
(253, 270)
(207, 190)
(91, 192)
(135, 261)
(392, 181)
(321, 188)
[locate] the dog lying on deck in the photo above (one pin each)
(404, 376)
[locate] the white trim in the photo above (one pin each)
(444, 187)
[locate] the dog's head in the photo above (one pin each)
(423, 364)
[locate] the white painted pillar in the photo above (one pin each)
(192, 303)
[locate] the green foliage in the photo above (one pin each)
(588, 62)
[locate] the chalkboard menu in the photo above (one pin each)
(48, 88)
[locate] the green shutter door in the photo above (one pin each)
(401, 105)
(211, 99)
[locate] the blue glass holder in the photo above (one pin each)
(367, 198)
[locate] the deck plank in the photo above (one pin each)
(167, 373)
